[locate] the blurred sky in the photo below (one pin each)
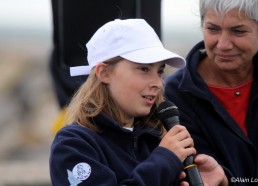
(181, 25)
(25, 14)
(25, 30)
(180, 21)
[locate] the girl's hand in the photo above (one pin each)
(179, 141)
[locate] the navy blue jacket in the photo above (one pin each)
(116, 156)
(214, 131)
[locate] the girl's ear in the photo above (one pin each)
(102, 73)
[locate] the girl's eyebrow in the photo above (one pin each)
(151, 64)
(144, 63)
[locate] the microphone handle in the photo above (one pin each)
(192, 173)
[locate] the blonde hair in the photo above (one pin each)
(93, 97)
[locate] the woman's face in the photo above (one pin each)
(134, 87)
(231, 41)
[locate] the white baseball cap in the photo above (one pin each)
(131, 39)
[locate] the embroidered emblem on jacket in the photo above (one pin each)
(80, 172)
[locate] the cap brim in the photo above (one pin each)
(155, 54)
(80, 70)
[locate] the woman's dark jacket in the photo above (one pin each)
(213, 129)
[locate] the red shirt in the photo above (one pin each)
(235, 100)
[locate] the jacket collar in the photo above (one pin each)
(191, 80)
(109, 125)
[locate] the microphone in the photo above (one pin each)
(169, 115)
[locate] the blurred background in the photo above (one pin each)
(28, 104)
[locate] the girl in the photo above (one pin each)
(115, 137)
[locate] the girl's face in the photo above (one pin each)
(231, 41)
(134, 87)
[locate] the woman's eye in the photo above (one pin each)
(239, 32)
(213, 29)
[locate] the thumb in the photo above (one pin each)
(205, 162)
(201, 158)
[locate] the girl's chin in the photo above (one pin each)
(143, 113)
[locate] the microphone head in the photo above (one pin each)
(167, 109)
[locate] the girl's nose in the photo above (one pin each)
(157, 82)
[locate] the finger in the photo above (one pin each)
(188, 142)
(200, 158)
(190, 151)
(180, 135)
(176, 129)
(182, 175)
(184, 183)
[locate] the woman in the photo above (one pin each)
(217, 91)
(115, 137)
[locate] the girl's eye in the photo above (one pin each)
(161, 72)
(144, 69)
(147, 69)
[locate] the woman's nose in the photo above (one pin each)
(224, 41)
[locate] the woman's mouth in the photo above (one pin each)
(226, 58)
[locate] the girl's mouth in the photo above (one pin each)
(149, 97)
